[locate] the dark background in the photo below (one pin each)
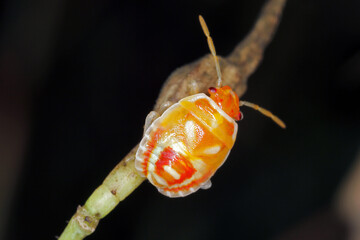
(79, 77)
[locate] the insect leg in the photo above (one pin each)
(149, 119)
(206, 185)
(154, 115)
(165, 106)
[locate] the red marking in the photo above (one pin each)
(149, 148)
(195, 182)
(169, 157)
(230, 129)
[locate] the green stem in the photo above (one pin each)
(121, 181)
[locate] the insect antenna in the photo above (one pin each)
(212, 49)
(265, 112)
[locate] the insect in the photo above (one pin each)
(183, 148)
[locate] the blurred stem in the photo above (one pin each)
(236, 69)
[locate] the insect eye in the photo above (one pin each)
(241, 116)
(212, 90)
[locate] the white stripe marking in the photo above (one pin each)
(150, 167)
(212, 150)
(172, 172)
(190, 130)
(159, 179)
(155, 154)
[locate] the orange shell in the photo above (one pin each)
(183, 148)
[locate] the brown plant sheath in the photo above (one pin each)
(236, 68)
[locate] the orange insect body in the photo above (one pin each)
(184, 147)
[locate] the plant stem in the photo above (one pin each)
(121, 181)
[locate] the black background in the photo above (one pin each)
(90, 72)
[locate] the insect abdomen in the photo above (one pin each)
(181, 150)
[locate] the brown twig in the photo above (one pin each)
(236, 69)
